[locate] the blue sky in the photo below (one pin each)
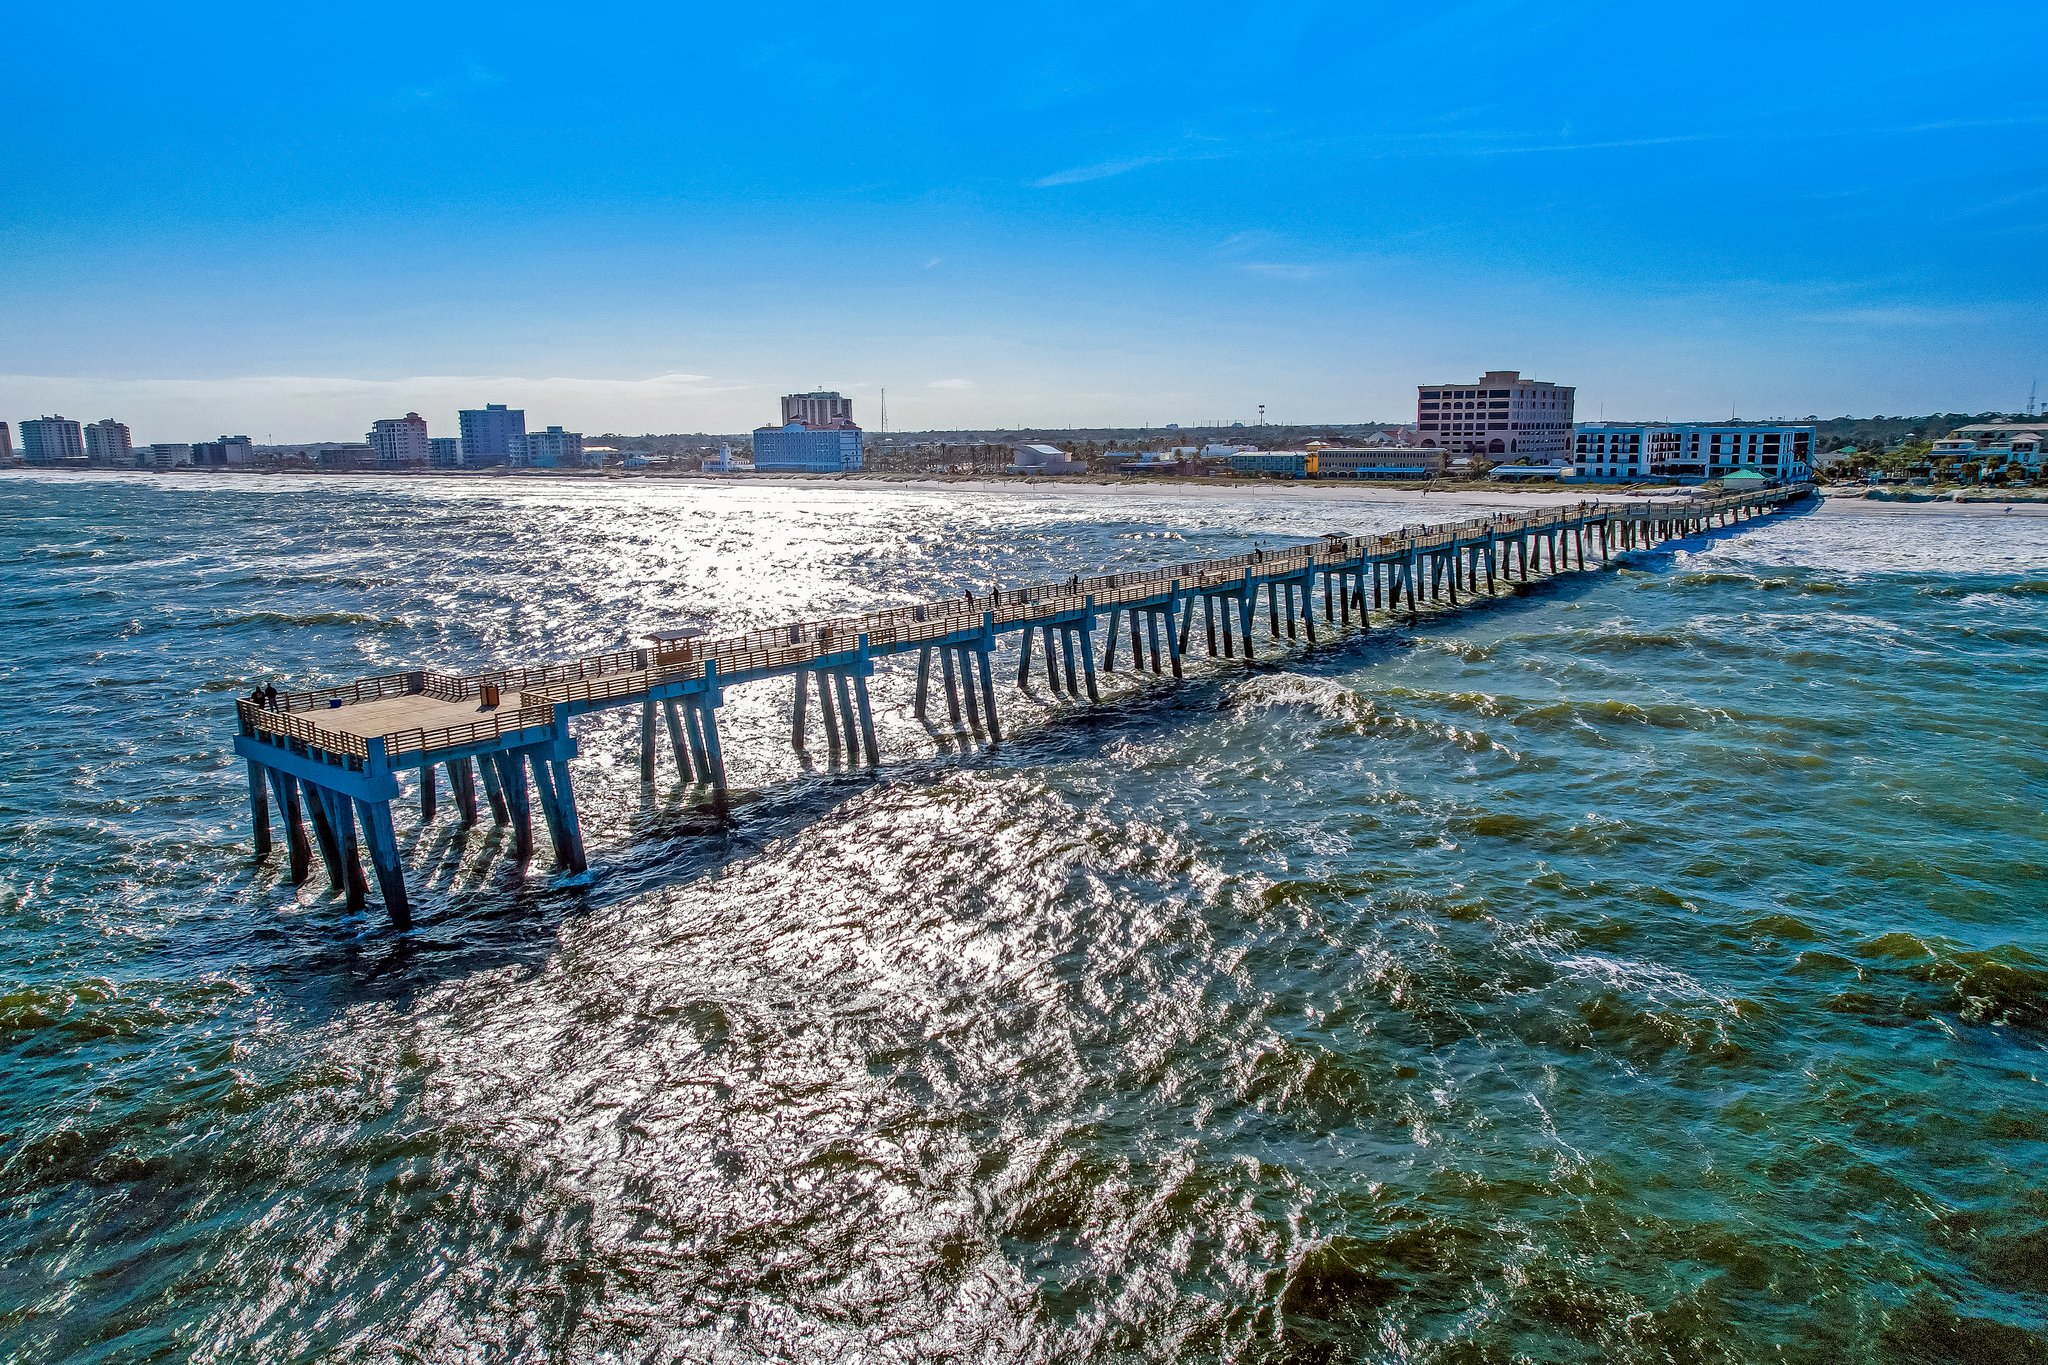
(289, 221)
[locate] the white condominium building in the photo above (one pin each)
(108, 445)
(1502, 417)
(400, 442)
(1621, 451)
(51, 440)
(550, 449)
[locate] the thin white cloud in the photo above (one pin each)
(1896, 315)
(1284, 270)
(951, 384)
(1101, 170)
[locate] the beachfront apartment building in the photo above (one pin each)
(164, 455)
(818, 436)
(1501, 416)
(52, 440)
(1273, 464)
(795, 448)
(1692, 452)
(488, 433)
(2007, 443)
(400, 442)
(6, 445)
(550, 449)
(109, 445)
(223, 452)
(1378, 462)
(445, 452)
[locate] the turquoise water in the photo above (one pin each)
(1648, 966)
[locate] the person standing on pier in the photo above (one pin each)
(270, 696)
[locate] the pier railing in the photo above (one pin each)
(487, 727)
(294, 726)
(633, 672)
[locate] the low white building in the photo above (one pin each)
(1623, 452)
(165, 455)
(1041, 459)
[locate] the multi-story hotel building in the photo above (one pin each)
(51, 440)
(550, 449)
(108, 444)
(400, 442)
(1622, 451)
(817, 436)
(1503, 417)
(488, 433)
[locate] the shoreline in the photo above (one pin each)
(2022, 503)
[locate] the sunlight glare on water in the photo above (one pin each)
(1649, 965)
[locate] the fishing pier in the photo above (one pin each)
(329, 761)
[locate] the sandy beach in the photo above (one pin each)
(1846, 500)
(1849, 501)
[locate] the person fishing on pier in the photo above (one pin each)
(270, 696)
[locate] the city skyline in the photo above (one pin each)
(1172, 215)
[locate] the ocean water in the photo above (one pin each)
(1649, 965)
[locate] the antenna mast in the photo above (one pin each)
(885, 412)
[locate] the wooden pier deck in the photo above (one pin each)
(329, 758)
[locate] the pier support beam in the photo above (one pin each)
(259, 810)
(953, 661)
(1086, 634)
(376, 821)
(558, 803)
(714, 753)
(494, 792)
(671, 714)
(867, 720)
(970, 705)
(462, 783)
(299, 853)
(647, 741)
(511, 771)
(324, 833)
(988, 691)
